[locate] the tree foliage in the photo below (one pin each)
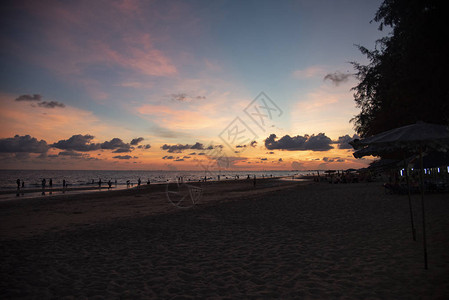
(406, 79)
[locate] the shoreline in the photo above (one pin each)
(60, 211)
(21, 194)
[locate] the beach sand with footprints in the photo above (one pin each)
(279, 239)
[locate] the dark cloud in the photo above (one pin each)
(147, 146)
(179, 147)
(168, 157)
(123, 157)
(35, 97)
(70, 153)
(51, 104)
(183, 97)
(264, 158)
(280, 159)
(343, 141)
(319, 142)
(253, 144)
(240, 146)
(77, 143)
(136, 141)
(122, 150)
(198, 146)
(23, 144)
(337, 77)
(118, 145)
(179, 97)
(179, 159)
(333, 159)
(193, 153)
(114, 144)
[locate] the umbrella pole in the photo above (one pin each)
(410, 201)
(422, 207)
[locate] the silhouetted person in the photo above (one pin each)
(50, 183)
(18, 183)
(63, 183)
(139, 181)
(44, 182)
(99, 183)
(109, 184)
(127, 183)
(254, 181)
(116, 182)
(23, 184)
(148, 182)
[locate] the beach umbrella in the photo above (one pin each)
(415, 138)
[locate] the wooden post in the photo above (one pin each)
(422, 207)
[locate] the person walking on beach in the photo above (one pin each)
(50, 183)
(63, 183)
(148, 182)
(99, 183)
(254, 181)
(139, 181)
(109, 184)
(43, 186)
(18, 184)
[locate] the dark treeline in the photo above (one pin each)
(407, 78)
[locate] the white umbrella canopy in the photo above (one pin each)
(408, 139)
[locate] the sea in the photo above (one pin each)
(79, 178)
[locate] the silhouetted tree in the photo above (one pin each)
(407, 77)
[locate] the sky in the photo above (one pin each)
(181, 85)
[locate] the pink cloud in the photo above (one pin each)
(72, 37)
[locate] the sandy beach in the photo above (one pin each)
(280, 239)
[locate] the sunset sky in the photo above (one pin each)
(187, 85)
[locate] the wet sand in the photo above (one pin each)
(276, 240)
